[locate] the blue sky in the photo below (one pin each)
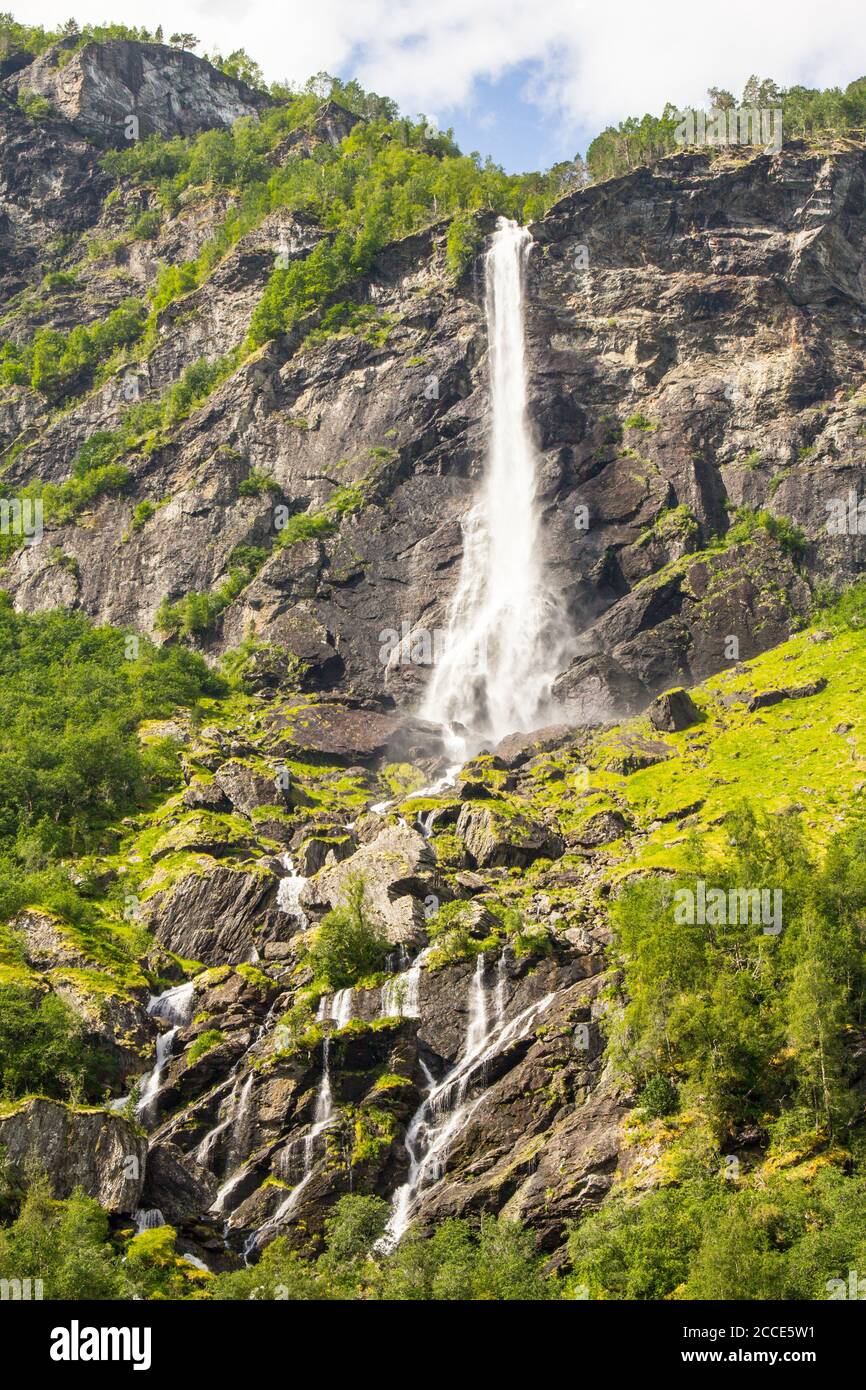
(499, 120)
(528, 81)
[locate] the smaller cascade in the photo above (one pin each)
(233, 1121)
(240, 1121)
(447, 1106)
(221, 1200)
(323, 1118)
(164, 1045)
(194, 1260)
(401, 996)
(289, 891)
(174, 1006)
(477, 1030)
(147, 1219)
(501, 983)
(336, 1008)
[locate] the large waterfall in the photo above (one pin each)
(494, 673)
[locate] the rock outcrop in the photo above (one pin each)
(120, 91)
(95, 1150)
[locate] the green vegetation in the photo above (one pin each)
(388, 178)
(43, 1048)
(71, 698)
(496, 1261)
(304, 526)
(806, 112)
(69, 1246)
(748, 1022)
(197, 613)
(463, 242)
(347, 945)
(746, 521)
(707, 1238)
(57, 364)
(76, 1255)
(205, 1042)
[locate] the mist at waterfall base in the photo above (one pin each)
(503, 640)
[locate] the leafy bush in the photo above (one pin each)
(146, 226)
(197, 613)
(747, 522)
(205, 1042)
(256, 483)
(658, 1097)
(43, 1049)
(70, 702)
(462, 243)
(57, 364)
(348, 945)
(841, 611)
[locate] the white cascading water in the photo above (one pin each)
(401, 996)
(337, 1008)
(289, 891)
(448, 1106)
(323, 1118)
(499, 659)
(175, 1005)
(152, 1083)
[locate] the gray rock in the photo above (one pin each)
(399, 871)
(673, 710)
(212, 916)
(103, 84)
(95, 1150)
(495, 838)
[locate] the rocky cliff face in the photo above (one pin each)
(696, 345)
(709, 357)
(100, 86)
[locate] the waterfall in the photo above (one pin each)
(174, 1006)
(401, 996)
(477, 1030)
(499, 658)
(447, 1107)
(336, 1007)
(147, 1219)
(289, 891)
(323, 1118)
(235, 1121)
(151, 1086)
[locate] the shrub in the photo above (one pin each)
(659, 1097)
(256, 483)
(462, 243)
(146, 226)
(348, 945)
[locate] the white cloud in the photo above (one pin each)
(593, 62)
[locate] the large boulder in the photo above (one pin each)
(348, 734)
(399, 871)
(673, 710)
(248, 787)
(213, 916)
(176, 1185)
(96, 1150)
(496, 836)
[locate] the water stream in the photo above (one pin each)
(500, 652)
(450, 1103)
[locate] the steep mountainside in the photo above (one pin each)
(316, 959)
